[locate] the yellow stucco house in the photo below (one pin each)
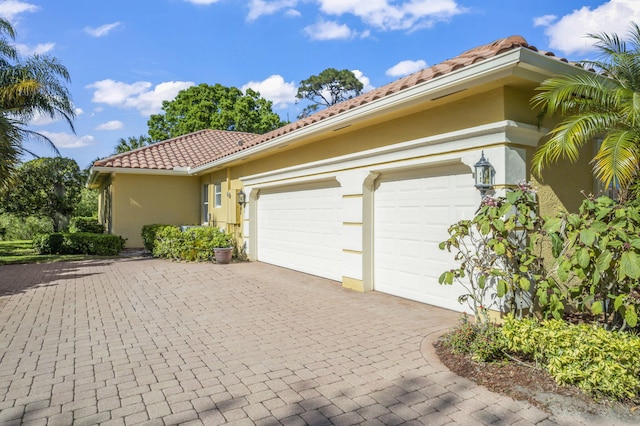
(361, 192)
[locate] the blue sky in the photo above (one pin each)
(126, 56)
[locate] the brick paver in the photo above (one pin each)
(145, 341)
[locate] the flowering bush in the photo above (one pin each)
(499, 254)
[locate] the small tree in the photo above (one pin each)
(213, 107)
(48, 187)
(328, 88)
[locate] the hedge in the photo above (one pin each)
(78, 243)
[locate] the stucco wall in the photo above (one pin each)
(482, 108)
(561, 185)
(139, 200)
(227, 216)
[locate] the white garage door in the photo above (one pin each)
(299, 228)
(412, 212)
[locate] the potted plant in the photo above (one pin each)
(222, 247)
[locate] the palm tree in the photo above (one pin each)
(32, 86)
(131, 143)
(602, 105)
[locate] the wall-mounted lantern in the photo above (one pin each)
(484, 175)
(242, 198)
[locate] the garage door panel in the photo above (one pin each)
(412, 212)
(299, 228)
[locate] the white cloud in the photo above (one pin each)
(275, 89)
(151, 102)
(329, 30)
(102, 30)
(140, 95)
(41, 120)
(117, 93)
(569, 33)
(543, 21)
(9, 9)
(68, 140)
(293, 13)
(258, 8)
(403, 68)
(407, 15)
(39, 49)
(382, 14)
(205, 2)
(364, 80)
(111, 125)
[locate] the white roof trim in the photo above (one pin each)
(499, 133)
(98, 170)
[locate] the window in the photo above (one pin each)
(218, 194)
(205, 203)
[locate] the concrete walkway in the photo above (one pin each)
(129, 341)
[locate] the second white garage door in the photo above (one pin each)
(299, 228)
(412, 212)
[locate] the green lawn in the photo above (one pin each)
(13, 252)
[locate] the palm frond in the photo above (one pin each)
(604, 105)
(10, 149)
(567, 94)
(617, 159)
(569, 136)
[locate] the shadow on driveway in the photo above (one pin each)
(16, 279)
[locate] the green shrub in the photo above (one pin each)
(48, 243)
(85, 224)
(599, 361)
(13, 227)
(598, 258)
(194, 244)
(165, 240)
(87, 206)
(149, 234)
(483, 341)
(79, 243)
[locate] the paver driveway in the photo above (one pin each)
(139, 340)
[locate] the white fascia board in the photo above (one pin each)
(499, 133)
(490, 69)
(543, 67)
(96, 171)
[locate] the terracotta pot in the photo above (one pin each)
(222, 255)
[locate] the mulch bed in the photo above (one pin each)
(525, 382)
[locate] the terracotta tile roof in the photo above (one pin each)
(200, 148)
(183, 151)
